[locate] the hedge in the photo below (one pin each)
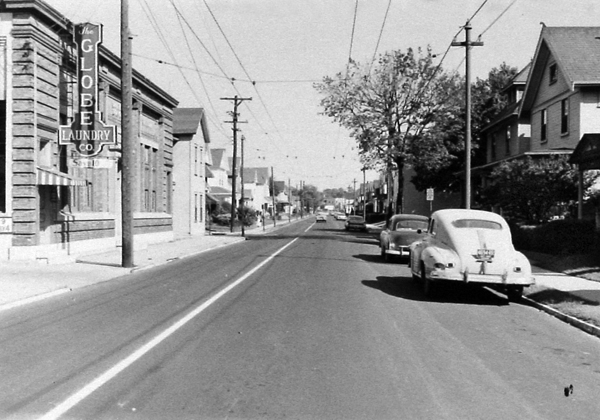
(559, 237)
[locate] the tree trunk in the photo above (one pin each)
(400, 191)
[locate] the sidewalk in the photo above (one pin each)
(24, 282)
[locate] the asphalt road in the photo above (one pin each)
(321, 330)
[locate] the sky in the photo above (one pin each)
(273, 51)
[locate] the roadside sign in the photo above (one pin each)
(91, 163)
(429, 194)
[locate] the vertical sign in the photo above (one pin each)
(87, 133)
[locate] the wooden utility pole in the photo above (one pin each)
(128, 149)
(467, 44)
(236, 102)
(242, 181)
(273, 197)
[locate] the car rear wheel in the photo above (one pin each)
(514, 294)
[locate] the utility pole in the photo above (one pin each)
(364, 193)
(242, 181)
(354, 203)
(273, 197)
(289, 201)
(236, 102)
(467, 44)
(128, 149)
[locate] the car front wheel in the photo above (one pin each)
(427, 284)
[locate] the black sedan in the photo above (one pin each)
(356, 223)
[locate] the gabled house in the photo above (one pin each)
(562, 95)
(553, 102)
(256, 188)
(191, 139)
(219, 185)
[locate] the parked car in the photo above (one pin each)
(341, 216)
(356, 223)
(399, 232)
(321, 217)
(469, 246)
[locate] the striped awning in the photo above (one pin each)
(47, 176)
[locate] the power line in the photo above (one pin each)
(352, 34)
(497, 18)
(380, 33)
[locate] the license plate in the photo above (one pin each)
(485, 254)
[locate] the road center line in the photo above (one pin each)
(308, 228)
(84, 392)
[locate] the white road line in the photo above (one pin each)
(84, 392)
(308, 228)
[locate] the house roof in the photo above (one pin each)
(219, 191)
(259, 176)
(186, 120)
(576, 50)
(217, 158)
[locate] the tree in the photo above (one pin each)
(527, 189)
(386, 109)
(439, 156)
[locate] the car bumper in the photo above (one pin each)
(402, 252)
(517, 280)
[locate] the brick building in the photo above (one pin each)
(53, 203)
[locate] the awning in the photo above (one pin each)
(47, 176)
(210, 197)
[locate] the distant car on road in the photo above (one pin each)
(341, 216)
(470, 246)
(399, 232)
(321, 217)
(356, 223)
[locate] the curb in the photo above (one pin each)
(35, 298)
(577, 323)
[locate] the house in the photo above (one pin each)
(562, 95)
(219, 184)
(562, 98)
(553, 102)
(191, 139)
(256, 188)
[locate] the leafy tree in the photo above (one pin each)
(386, 108)
(527, 189)
(440, 154)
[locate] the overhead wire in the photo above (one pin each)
(380, 34)
(249, 77)
(197, 69)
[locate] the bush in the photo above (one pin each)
(560, 237)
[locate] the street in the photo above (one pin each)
(306, 322)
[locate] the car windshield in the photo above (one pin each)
(476, 224)
(411, 224)
(356, 218)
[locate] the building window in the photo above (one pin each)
(564, 116)
(553, 76)
(507, 141)
(544, 125)
(493, 147)
(196, 159)
(195, 208)
(149, 178)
